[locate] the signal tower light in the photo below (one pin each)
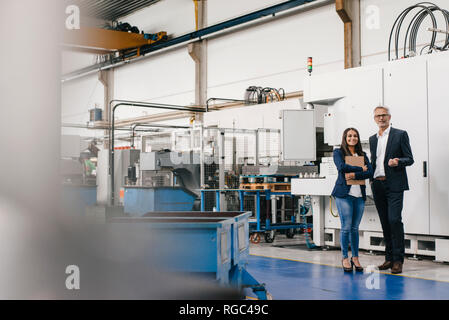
(310, 65)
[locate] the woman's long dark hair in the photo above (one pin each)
(344, 144)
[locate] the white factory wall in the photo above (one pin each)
(269, 54)
(275, 54)
(166, 78)
(78, 97)
(73, 60)
(264, 54)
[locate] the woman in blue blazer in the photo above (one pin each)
(350, 199)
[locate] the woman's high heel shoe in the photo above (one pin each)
(358, 269)
(346, 269)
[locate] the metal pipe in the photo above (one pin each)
(165, 116)
(82, 126)
(140, 105)
(220, 99)
(149, 125)
(81, 73)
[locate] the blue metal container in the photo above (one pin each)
(215, 243)
(75, 198)
(96, 114)
(141, 200)
(184, 244)
(239, 230)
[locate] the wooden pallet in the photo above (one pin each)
(273, 187)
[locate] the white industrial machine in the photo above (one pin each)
(415, 90)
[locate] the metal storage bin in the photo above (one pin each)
(140, 200)
(185, 244)
(76, 198)
(208, 243)
(239, 230)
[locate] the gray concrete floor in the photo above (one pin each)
(295, 249)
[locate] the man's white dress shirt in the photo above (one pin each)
(380, 153)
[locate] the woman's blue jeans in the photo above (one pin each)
(350, 209)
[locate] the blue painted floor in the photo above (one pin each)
(294, 280)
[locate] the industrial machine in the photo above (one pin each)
(255, 169)
(415, 91)
(124, 158)
(78, 173)
(163, 176)
(167, 181)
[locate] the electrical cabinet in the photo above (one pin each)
(298, 135)
(438, 173)
(405, 89)
(122, 159)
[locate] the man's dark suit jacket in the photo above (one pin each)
(398, 146)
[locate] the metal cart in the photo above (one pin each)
(258, 227)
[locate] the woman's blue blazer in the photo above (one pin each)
(341, 188)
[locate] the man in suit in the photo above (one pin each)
(390, 155)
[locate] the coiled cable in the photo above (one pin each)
(259, 95)
(332, 211)
(426, 9)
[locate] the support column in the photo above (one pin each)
(349, 12)
(356, 34)
(106, 77)
(198, 52)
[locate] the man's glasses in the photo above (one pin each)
(377, 116)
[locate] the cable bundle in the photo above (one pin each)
(258, 95)
(126, 27)
(426, 9)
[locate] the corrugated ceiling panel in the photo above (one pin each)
(112, 9)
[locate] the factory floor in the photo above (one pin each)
(291, 271)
